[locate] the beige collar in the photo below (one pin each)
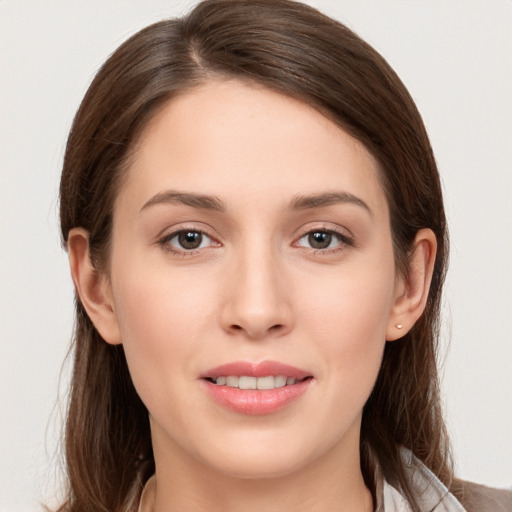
(147, 498)
(431, 494)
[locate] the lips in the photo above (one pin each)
(256, 389)
(262, 369)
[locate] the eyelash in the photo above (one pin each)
(164, 241)
(343, 241)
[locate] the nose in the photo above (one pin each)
(257, 295)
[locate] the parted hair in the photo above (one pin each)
(295, 50)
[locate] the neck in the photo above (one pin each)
(333, 482)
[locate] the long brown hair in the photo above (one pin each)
(293, 49)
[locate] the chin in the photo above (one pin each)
(261, 457)
(259, 468)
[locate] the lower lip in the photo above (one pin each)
(256, 402)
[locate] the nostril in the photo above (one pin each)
(256, 333)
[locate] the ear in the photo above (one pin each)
(92, 287)
(411, 292)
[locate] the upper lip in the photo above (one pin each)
(262, 369)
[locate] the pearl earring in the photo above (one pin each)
(399, 326)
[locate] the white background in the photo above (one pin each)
(455, 58)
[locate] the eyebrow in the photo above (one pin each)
(306, 202)
(200, 201)
(212, 203)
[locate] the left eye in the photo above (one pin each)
(188, 240)
(321, 239)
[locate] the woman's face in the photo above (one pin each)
(251, 245)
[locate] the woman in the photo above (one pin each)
(257, 240)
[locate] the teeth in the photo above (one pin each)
(281, 381)
(247, 382)
(266, 382)
(232, 382)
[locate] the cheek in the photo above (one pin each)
(160, 315)
(355, 305)
(348, 317)
(155, 299)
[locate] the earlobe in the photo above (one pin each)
(92, 287)
(412, 291)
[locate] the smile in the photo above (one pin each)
(256, 388)
(249, 382)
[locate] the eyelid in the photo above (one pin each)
(343, 235)
(163, 240)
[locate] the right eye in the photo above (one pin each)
(186, 240)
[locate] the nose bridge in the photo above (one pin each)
(257, 302)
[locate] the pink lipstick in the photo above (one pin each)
(256, 389)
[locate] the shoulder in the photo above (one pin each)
(465, 496)
(479, 498)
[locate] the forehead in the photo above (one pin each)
(232, 139)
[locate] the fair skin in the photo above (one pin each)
(288, 259)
